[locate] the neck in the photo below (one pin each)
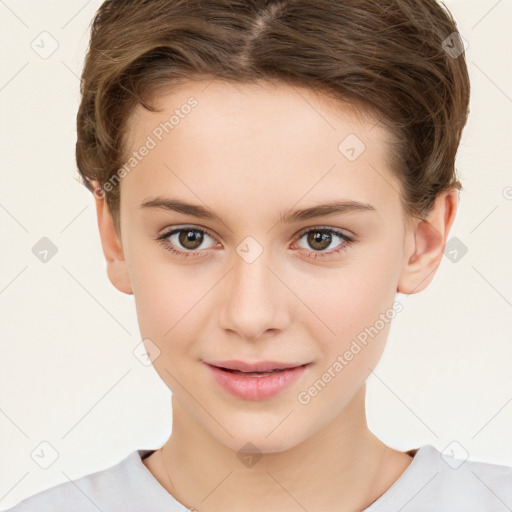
(343, 467)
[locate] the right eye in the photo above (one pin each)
(188, 238)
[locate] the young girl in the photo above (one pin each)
(268, 175)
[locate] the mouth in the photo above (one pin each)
(260, 367)
(254, 374)
(255, 381)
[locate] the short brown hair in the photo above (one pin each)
(387, 56)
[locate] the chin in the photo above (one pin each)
(268, 437)
(257, 444)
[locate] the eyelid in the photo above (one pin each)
(338, 231)
(166, 232)
(178, 227)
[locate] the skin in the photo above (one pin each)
(250, 153)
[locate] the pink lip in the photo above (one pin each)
(260, 366)
(250, 387)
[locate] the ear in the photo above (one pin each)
(117, 269)
(425, 242)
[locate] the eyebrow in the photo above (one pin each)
(201, 212)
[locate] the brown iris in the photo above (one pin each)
(317, 239)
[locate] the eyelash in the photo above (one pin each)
(312, 254)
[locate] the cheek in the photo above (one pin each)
(349, 299)
(167, 311)
(356, 309)
(166, 299)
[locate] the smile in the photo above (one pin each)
(255, 385)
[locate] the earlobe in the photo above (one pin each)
(424, 245)
(117, 269)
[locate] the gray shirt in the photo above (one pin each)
(431, 483)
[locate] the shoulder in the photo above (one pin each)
(477, 485)
(436, 481)
(101, 490)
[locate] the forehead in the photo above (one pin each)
(266, 140)
(270, 105)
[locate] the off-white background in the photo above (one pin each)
(68, 374)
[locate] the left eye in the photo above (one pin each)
(320, 239)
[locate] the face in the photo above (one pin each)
(255, 281)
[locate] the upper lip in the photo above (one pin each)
(261, 366)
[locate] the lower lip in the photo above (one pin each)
(256, 388)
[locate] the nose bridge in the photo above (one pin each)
(256, 300)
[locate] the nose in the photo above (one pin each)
(255, 299)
